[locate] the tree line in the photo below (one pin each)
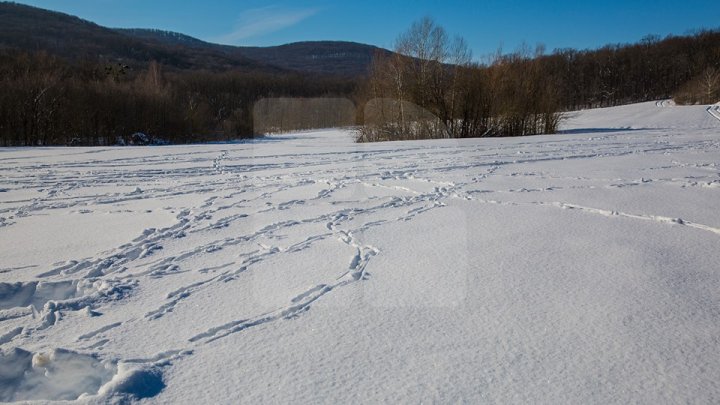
(46, 100)
(430, 87)
(652, 69)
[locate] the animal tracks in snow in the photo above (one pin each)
(644, 217)
(303, 218)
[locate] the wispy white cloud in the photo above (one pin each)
(264, 20)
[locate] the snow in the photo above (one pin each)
(579, 267)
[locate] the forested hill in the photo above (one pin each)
(34, 29)
(323, 57)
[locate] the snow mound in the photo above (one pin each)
(64, 375)
(37, 294)
(55, 376)
(135, 381)
(45, 299)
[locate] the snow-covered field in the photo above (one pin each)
(582, 267)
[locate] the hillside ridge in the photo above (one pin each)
(31, 28)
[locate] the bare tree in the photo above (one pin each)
(423, 75)
(710, 81)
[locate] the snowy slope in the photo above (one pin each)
(580, 268)
(652, 115)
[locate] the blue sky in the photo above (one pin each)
(485, 24)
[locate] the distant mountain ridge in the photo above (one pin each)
(34, 29)
(327, 57)
(330, 57)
